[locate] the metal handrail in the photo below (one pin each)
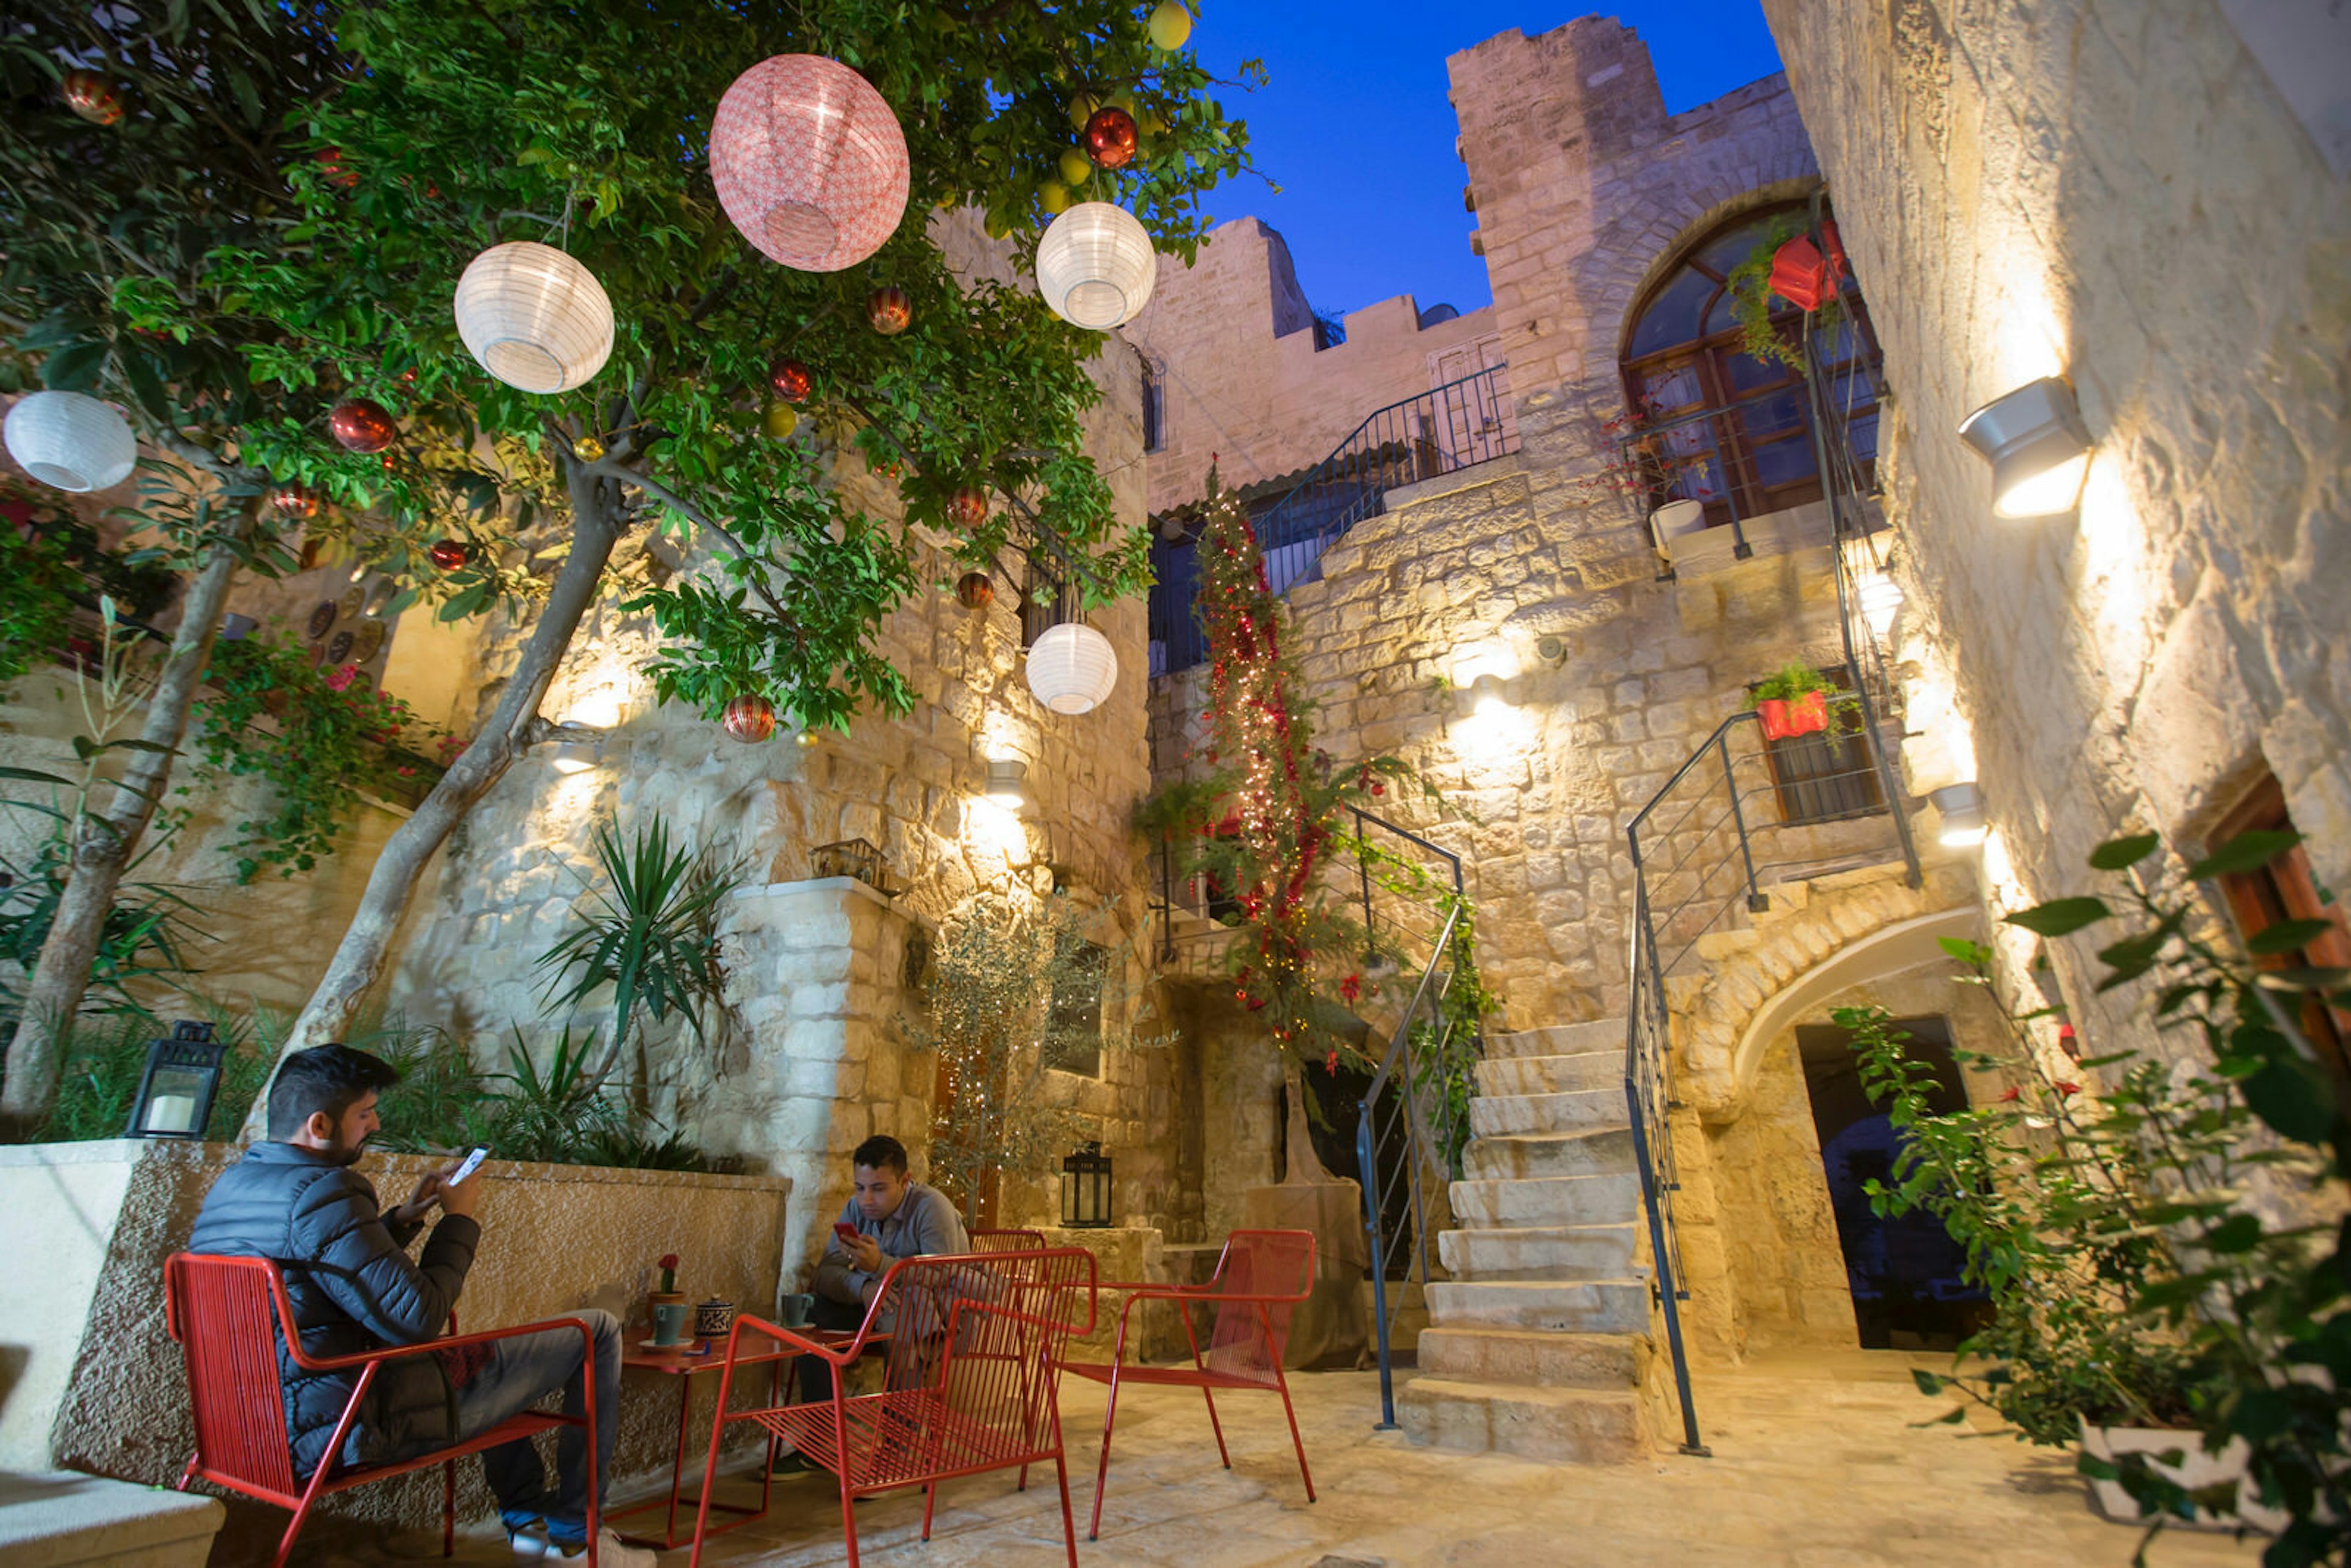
(1448, 428)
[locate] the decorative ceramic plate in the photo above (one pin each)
(368, 642)
(322, 617)
(354, 601)
(340, 649)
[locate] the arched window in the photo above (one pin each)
(1730, 430)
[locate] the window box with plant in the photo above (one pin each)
(1793, 701)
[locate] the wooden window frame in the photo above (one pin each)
(2286, 888)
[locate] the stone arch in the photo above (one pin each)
(1695, 215)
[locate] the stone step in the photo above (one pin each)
(1546, 1252)
(1500, 1115)
(1579, 1306)
(1523, 1359)
(1611, 1199)
(1586, 1069)
(1563, 1426)
(1559, 1039)
(1591, 1151)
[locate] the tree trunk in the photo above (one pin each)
(359, 961)
(103, 847)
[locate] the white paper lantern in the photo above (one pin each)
(72, 440)
(534, 318)
(1071, 668)
(1096, 266)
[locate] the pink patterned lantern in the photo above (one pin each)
(809, 163)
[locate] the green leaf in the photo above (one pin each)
(2060, 916)
(2246, 852)
(1928, 1382)
(2292, 1096)
(74, 369)
(2288, 937)
(2119, 854)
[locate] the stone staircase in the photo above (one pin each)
(1539, 1343)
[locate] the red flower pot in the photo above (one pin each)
(1784, 719)
(1801, 276)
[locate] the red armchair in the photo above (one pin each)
(221, 1311)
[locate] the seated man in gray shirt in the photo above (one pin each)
(893, 1216)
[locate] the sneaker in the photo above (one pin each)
(610, 1551)
(792, 1463)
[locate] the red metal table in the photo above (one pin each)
(682, 1362)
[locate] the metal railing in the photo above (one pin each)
(1455, 427)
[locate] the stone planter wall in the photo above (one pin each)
(104, 1387)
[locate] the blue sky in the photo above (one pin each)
(1355, 129)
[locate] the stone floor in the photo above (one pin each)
(1816, 1462)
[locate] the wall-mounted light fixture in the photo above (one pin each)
(2037, 445)
(574, 752)
(1879, 598)
(1005, 782)
(1487, 694)
(1962, 807)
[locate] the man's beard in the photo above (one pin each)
(343, 1155)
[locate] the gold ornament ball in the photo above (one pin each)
(588, 449)
(805, 738)
(1170, 25)
(779, 419)
(1076, 167)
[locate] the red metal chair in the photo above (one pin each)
(1008, 1240)
(971, 1370)
(1260, 1279)
(221, 1310)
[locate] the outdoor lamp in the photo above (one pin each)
(1085, 1190)
(1004, 782)
(2037, 445)
(71, 440)
(176, 1093)
(1071, 668)
(534, 317)
(1880, 599)
(1096, 266)
(1487, 694)
(1962, 807)
(574, 754)
(809, 163)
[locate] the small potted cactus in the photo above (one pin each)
(667, 1307)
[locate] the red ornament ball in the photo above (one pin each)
(330, 160)
(890, 310)
(750, 717)
(1111, 138)
(363, 426)
(790, 379)
(968, 508)
(975, 590)
(92, 97)
(450, 554)
(296, 503)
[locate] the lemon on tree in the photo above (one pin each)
(1076, 167)
(1170, 25)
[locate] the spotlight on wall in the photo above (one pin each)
(1487, 694)
(573, 754)
(2037, 445)
(1880, 599)
(1961, 809)
(1005, 782)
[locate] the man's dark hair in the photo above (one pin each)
(880, 1152)
(326, 1078)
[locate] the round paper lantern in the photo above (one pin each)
(1096, 266)
(890, 310)
(363, 426)
(534, 317)
(450, 554)
(790, 379)
(750, 717)
(809, 163)
(1111, 138)
(1170, 25)
(975, 590)
(71, 440)
(968, 508)
(296, 503)
(778, 420)
(1071, 667)
(92, 97)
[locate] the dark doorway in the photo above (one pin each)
(1908, 1293)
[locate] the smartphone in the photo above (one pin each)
(846, 1231)
(473, 1163)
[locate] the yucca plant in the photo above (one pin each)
(650, 931)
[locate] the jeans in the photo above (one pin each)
(816, 1372)
(523, 1371)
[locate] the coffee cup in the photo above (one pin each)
(670, 1319)
(798, 1308)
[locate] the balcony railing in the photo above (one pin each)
(1456, 427)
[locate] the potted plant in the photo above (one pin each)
(1793, 701)
(667, 1308)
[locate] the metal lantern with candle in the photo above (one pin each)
(176, 1093)
(1085, 1190)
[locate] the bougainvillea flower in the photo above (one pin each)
(343, 676)
(2069, 1088)
(2010, 1095)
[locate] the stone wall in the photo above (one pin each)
(1243, 379)
(2115, 192)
